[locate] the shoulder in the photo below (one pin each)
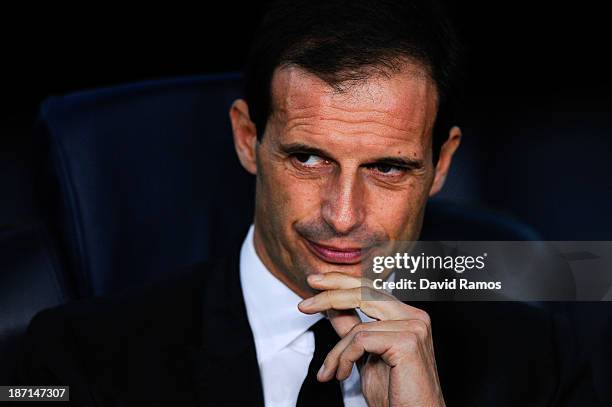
(493, 317)
(512, 348)
(497, 328)
(81, 336)
(156, 300)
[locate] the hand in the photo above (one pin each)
(395, 353)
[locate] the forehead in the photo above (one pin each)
(399, 105)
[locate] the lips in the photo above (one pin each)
(335, 255)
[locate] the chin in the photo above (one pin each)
(354, 270)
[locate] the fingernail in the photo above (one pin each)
(321, 372)
(315, 277)
(307, 302)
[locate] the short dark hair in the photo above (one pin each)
(342, 41)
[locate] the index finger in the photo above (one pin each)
(386, 308)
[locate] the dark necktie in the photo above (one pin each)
(314, 393)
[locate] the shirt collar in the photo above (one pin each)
(271, 306)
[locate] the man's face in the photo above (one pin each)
(339, 171)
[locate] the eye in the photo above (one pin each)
(388, 169)
(308, 160)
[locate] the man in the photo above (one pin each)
(345, 127)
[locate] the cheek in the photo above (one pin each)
(290, 199)
(301, 199)
(398, 212)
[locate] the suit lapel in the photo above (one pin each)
(226, 369)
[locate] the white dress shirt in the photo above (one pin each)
(283, 343)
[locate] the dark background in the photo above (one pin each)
(537, 128)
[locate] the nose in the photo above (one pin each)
(343, 202)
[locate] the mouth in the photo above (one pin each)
(336, 254)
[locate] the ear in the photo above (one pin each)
(245, 135)
(444, 161)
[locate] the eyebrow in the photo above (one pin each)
(293, 148)
(400, 162)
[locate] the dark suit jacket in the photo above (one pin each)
(188, 343)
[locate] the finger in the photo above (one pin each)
(341, 300)
(343, 321)
(384, 307)
(337, 281)
(330, 364)
(333, 281)
(392, 347)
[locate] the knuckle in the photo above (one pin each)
(405, 324)
(360, 337)
(358, 328)
(328, 297)
(424, 317)
(342, 360)
(420, 328)
(410, 341)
